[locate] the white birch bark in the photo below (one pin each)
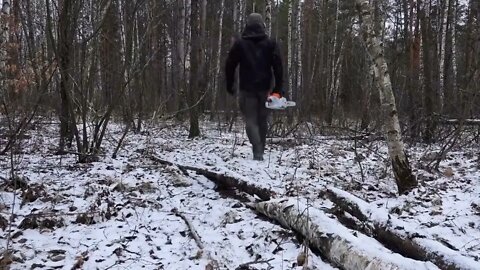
(4, 35)
(334, 65)
(268, 17)
(6, 5)
(336, 78)
(188, 44)
(454, 46)
(403, 173)
(390, 231)
(299, 45)
(4, 39)
(336, 242)
(219, 57)
(238, 19)
(235, 17)
(242, 6)
(290, 49)
(335, 38)
(421, 76)
(443, 39)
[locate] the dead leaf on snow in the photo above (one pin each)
(3, 223)
(476, 208)
(448, 172)
(231, 217)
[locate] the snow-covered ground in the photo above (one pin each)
(117, 213)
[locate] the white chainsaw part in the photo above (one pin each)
(275, 103)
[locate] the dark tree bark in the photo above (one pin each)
(197, 63)
(65, 31)
(112, 67)
(429, 93)
(406, 243)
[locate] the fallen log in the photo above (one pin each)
(344, 249)
(466, 122)
(223, 180)
(391, 232)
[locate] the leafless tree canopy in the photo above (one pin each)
(90, 62)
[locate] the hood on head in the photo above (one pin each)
(255, 28)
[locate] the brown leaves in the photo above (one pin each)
(56, 255)
(6, 260)
(33, 192)
(85, 219)
(301, 258)
(79, 261)
(38, 222)
(3, 223)
(476, 208)
(448, 172)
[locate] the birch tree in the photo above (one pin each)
(299, 43)
(334, 69)
(188, 40)
(290, 49)
(239, 9)
(268, 17)
(401, 167)
(4, 14)
(444, 7)
(454, 47)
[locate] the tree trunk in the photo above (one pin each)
(221, 180)
(65, 30)
(290, 49)
(268, 16)
(444, 12)
(299, 48)
(188, 43)
(196, 68)
(4, 41)
(401, 167)
(392, 235)
(218, 60)
(429, 92)
(4, 35)
(367, 86)
(335, 62)
(344, 249)
(112, 66)
(414, 70)
(454, 93)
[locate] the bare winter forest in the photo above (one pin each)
(120, 147)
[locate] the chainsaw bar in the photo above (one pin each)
(275, 103)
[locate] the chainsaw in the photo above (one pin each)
(277, 102)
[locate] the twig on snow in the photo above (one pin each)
(244, 265)
(193, 232)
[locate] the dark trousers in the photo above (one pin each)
(255, 114)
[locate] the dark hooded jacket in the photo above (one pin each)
(259, 59)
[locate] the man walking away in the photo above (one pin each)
(259, 59)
